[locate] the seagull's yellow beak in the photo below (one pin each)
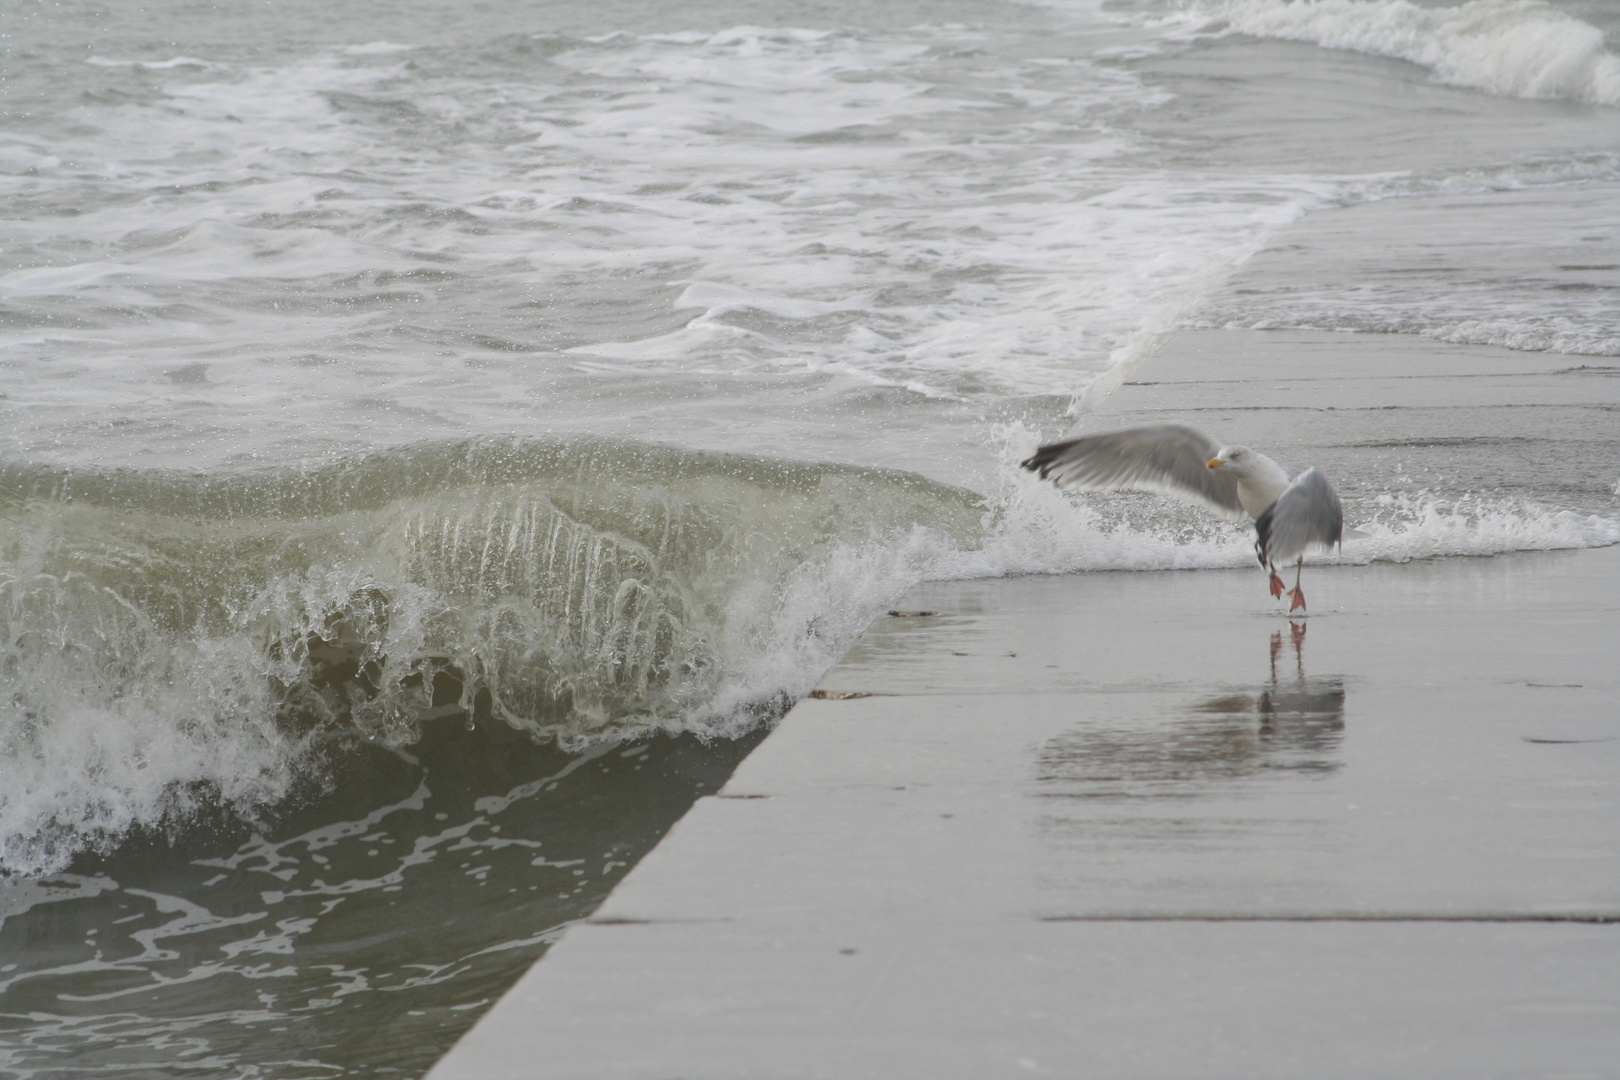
(1214, 463)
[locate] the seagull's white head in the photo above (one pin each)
(1238, 459)
(1259, 479)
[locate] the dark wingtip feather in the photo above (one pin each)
(1262, 535)
(1044, 458)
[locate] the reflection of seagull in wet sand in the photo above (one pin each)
(1292, 515)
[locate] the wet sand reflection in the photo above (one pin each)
(1293, 723)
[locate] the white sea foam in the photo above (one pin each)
(1416, 525)
(377, 48)
(1517, 48)
(86, 756)
(157, 65)
(821, 196)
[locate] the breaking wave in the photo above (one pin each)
(1515, 48)
(170, 640)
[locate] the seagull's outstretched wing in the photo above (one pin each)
(1168, 458)
(1306, 517)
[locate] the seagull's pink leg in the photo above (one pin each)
(1276, 584)
(1296, 595)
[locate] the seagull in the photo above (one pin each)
(1292, 515)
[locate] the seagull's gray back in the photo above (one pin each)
(1306, 517)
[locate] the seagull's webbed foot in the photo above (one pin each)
(1276, 585)
(1296, 599)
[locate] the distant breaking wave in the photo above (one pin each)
(1516, 48)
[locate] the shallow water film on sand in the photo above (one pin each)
(434, 442)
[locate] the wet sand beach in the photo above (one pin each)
(1143, 824)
